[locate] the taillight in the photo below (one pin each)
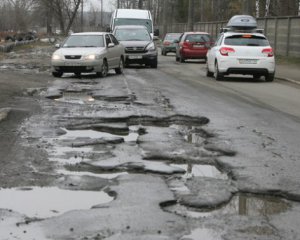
(268, 52)
(225, 50)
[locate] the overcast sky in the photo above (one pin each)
(107, 4)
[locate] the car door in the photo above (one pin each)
(212, 53)
(117, 50)
(110, 51)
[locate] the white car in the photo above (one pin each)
(88, 52)
(241, 53)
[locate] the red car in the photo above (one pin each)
(193, 45)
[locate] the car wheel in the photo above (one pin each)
(218, 76)
(119, 70)
(209, 73)
(104, 70)
(163, 52)
(57, 74)
(154, 64)
(181, 59)
(77, 74)
(270, 77)
(177, 59)
(256, 76)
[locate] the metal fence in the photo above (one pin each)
(282, 32)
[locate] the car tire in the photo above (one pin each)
(57, 74)
(270, 77)
(163, 52)
(218, 76)
(208, 73)
(154, 64)
(181, 59)
(77, 74)
(104, 70)
(119, 70)
(177, 59)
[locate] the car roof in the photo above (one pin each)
(131, 27)
(89, 33)
(243, 33)
(196, 33)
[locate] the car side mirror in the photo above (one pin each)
(156, 32)
(110, 45)
(57, 45)
(108, 29)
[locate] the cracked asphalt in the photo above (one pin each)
(151, 154)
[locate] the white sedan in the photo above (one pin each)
(241, 53)
(88, 52)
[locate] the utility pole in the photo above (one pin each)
(81, 17)
(191, 15)
(101, 14)
(165, 17)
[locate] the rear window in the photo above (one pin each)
(246, 40)
(193, 38)
(172, 37)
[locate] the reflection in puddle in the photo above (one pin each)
(73, 134)
(76, 97)
(248, 205)
(100, 175)
(49, 201)
(202, 234)
(194, 170)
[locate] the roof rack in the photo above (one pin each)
(242, 23)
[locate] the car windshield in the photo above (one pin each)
(246, 40)
(84, 41)
(131, 34)
(172, 37)
(193, 38)
(132, 21)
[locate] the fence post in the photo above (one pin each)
(288, 37)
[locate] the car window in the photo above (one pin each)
(172, 37)
(115, 41)
(84, 41)
(129, 34)
(246, 40)
(107, 39)
(197, 38)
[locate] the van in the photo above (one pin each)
(133, 17)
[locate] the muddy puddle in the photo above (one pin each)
(45, 202)
(197, 170)
(247, 205)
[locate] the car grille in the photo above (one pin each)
(135, 50)
(72, 56)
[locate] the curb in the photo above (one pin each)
(288, 80)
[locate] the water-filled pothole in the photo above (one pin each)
(76, 97)
(91, 174)
(92, 134)
(248, 205)
(44, 202)
(196, 170)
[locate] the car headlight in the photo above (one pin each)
(92, 57)
(56, 57)
(151, 47)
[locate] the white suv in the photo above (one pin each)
(247, 53)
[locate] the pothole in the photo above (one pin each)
(203, 233)
(45, 202)
(91, 174)
(76, 98)
(197, 170)
(243, 204)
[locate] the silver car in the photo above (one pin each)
(88, 52)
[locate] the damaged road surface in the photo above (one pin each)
(148, 155)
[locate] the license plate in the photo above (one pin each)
(247, 61)
(74, 64)
(135, 57)
(198, 46)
